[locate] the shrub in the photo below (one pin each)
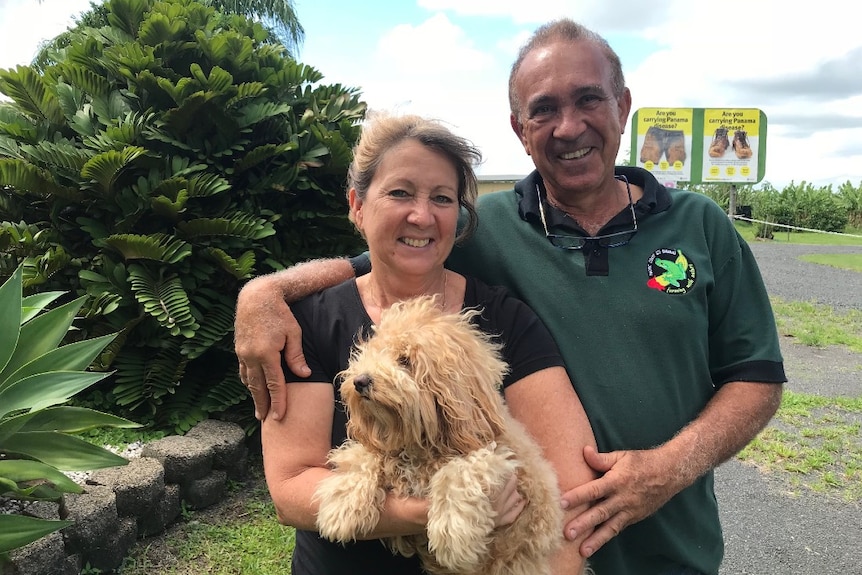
(850, 198)
(153, 167)
(36, 378)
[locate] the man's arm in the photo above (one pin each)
(635, 484)
(264, 327)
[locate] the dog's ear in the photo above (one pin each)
(462, 368)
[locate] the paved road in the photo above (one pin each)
(768, 529)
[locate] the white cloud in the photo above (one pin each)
(26, 23)
(435, 47)
(435, 69)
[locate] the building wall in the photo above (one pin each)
(489, 184)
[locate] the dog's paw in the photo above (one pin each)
(461, 514)
(347, 509)
(349, 501)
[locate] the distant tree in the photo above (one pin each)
(278, 15)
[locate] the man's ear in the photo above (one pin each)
(518, 129)
(624, 105)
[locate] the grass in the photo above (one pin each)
(818, 325)
(815, 441)
(852, 262)
(241, 536)
(120, 438)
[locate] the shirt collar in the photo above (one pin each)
(655, 199)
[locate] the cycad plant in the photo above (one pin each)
(36, 378)
(156, 165)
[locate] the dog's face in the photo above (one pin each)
(424, 382)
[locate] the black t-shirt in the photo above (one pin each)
(330, 322)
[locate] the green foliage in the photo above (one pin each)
(806, 206)
(850, 198)
(800, 205)
(36, 379)
(153, 165)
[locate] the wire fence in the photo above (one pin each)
(791, 228)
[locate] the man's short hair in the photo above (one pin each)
(566, 30)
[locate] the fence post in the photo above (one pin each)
(731, 208)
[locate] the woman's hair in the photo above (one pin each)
(383, 131)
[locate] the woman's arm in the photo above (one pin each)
(548, 406)
(294, 456)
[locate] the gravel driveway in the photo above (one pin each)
(768, 530)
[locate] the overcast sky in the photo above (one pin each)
(800, 64)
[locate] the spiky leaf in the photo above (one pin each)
(19, 530)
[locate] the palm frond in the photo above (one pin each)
(165, 299)
(127, 15)
(227, 392)
(245, 91)
(84, 78)
(105, 168)
(293, 75)
(25, 176)
(29, 90)
(240, 268)
(219, 79)
(216, 323)
(240, 225)
(258, 112)
(158, 247)
(206, 185)
(159, 28)
(262, 153)
(62, 154)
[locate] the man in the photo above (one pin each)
(655, 301)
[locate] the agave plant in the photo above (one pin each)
(36, 378)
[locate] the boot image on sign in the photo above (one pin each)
(675, 146)
(719, 144)
(740, 145)
(652, 146)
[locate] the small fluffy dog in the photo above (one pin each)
(427, 419)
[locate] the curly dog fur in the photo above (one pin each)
(427, 419)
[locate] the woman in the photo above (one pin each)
(409, 179)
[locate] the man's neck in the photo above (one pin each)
(592, 209)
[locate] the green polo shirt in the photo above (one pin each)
(648, 330)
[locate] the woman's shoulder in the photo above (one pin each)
(336, 301)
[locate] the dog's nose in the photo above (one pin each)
(362, 383)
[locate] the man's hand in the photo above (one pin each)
(264, 327)
(508, 503)
(635, 484)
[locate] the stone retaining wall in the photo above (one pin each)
(121, 504)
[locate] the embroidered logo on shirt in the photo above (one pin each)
(670, 271)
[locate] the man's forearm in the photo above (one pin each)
(307, 278)
(729, 422)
